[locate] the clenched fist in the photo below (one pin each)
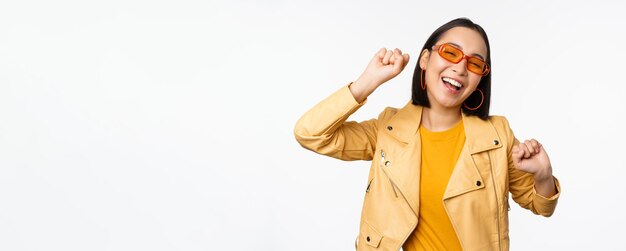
(385, 65)
(531, 157)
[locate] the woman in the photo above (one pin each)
(442, 168)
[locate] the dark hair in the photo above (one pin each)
(419, 95)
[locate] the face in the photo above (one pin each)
(444, 77)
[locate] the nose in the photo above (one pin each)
(461, 67)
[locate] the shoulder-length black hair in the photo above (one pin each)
(419, 95)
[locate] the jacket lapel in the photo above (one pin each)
(480, 136)
(403, 127)
(405, 123)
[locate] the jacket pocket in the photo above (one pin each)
(370, 236)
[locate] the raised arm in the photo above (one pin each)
(530, 176)
(323, 129)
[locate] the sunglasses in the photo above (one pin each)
(455, 55)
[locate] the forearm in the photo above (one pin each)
(327, 115)
(324, 130)
(545, 186)
(362, 88)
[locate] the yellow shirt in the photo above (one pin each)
(440, 152)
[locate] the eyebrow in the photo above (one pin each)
(460, 47)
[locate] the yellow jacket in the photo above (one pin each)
(476, 198)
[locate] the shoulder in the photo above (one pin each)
(502, 127)
(496, 122)
(409, 111)
(397, 114)
(499, 122)
(388, 113)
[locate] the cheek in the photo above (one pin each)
(474, 81)
(435, 67)
(438, 64)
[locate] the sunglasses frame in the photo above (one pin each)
(440, 48)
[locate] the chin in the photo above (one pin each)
(448, 103)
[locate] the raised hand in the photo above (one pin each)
(530, 157)
(385, 65)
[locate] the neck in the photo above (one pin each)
(438, 118)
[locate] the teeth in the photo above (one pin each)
(453, 82)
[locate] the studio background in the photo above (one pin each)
(168, 125)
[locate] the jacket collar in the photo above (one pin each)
(480, 135)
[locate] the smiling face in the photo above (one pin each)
(449, 84)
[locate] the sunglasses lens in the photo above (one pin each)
(450, 53)
(455, 55)
(476, 65)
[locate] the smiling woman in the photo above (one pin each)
(449, 46)
(442, 168)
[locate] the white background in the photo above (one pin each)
(168, 125)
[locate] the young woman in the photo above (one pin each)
(442, 168)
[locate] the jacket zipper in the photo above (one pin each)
(393, 185)
(495, 191)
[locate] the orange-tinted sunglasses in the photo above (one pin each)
(455, 55)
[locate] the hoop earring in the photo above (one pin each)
(482, 98)
(422, 81)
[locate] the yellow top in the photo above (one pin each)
(440, 152)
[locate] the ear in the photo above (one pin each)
(424, 56)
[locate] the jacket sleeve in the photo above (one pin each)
(522, 184)
(324, 130)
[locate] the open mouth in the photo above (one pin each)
(456, 85)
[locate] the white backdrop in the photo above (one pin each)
(168, 125)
